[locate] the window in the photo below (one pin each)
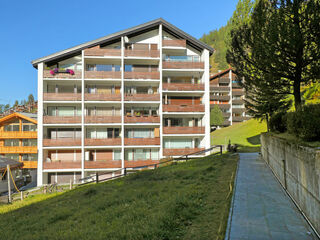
(116, 155)
(178, 143)
(29, 142)
(29, 128)
(117, 68)
(12, 156)
(140, 133)
(29, 157)
(128, 68)
(91, 67)
(107, 68)
(11, 128)
(11, 142)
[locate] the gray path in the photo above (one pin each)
(261, 208)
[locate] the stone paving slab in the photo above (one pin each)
(261, 208)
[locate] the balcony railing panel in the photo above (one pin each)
(61, 164)
(179, 152)
(102, 74)
(219, 89)
(238, 101)
(183, 108)
(183, 86)
(238, 92)
(76, 75)
(141, 75)
(18, 134)
(62, 142)
(142, 53)
(174, 43)
(138, 163)
(102, 97)
(30, 164)
(18, 149)
(62, 96)
(60, 120)
(142, 97)
(102, 119)
(102, 52)
(238, 110)
(102, 142)
(219, 98)
(141, 141)
(182, 65)
(102, 164)
(142, 119)
(222, 106)
(183, 130)
(224, 80)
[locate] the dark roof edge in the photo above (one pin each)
(120, 34)
(221, 73)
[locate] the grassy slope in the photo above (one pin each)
(246, 134)
(186, 201)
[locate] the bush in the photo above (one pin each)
(305, 123)
(278, 122)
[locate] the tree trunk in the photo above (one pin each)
(297, 94)
(267, 120)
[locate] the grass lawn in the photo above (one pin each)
(293, 139)
(184, 201)
(245, 134)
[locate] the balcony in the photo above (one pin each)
(142, 97)
(62, 96)
(61, 164)
(61, 120)
(226, 114)
(183, 130)
(30, 164)
(101, 52)
(220, 97)
(102, 119)
(141, 141)
(219, 89)
(238, 110)
(236, 85)
(239, 119)
(102, 75)
(139, 163)
(18, 149)
(182, 65)
(239, 92)
(63, 75)
(4, 135)
(102, 164)
(142, 53)
(142, 75)
(222, 106)
(142, 119)
(174, 43)
(62, 142)
(238, 101)
(224, 80)
(102, 97)
(183, 87)
(183, 108)
(180, 152)
(102, 142)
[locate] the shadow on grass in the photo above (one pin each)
(255, 140)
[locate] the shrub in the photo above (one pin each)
(305, 123)
(278, 122)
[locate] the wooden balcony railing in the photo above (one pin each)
(101, 52)
(102, 164)
(224, 80)
(102, 75)
(102, 97)
(238, 110)
(76, 75)
(61, 164)
(179, 152)
(238, 101)
(102, 119)
(142, 119)
(174, 43)
(219, 98)
(142, 97)
(137, 163)
(182, 65)
(142, 53)
(183, 130)
(219, 89)
(60, 120)
(183, 108)
(18, 134)
(141, 141)
(183, 86)
(62, 142)
(239, 92)
(62, 96)
(222, 106)
(18, 149)
(30, 164)
(141, 75)
(102, 142)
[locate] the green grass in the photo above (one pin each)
(293, 139)
(184, 201)
(245, 134)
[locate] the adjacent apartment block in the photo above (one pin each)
(124, 100)
(226, 92)
(18, 141)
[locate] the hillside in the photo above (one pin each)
(184, 201)
(246, 134)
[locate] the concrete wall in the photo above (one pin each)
(298, 169)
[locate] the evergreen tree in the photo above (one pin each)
(216, 117)
(30, 99)
(16, 103)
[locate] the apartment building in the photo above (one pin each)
(122, 101)
(226, 92)
(18, 141)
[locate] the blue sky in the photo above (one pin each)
(33, 29)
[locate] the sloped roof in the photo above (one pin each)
(18, 115)
(6, 161)
(167, 26)
(220, 73)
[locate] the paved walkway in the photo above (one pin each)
(261, 208)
